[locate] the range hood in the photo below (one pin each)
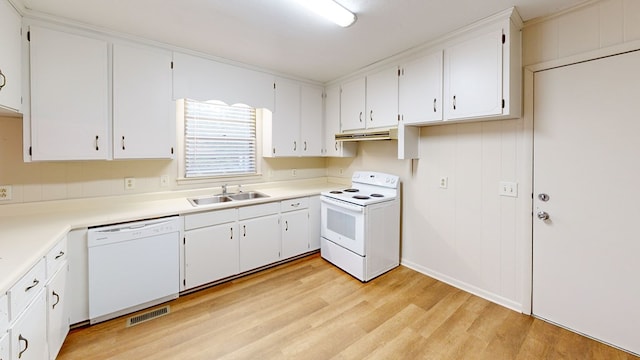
(365, 135)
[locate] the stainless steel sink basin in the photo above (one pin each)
(247, 195)
(208, 200)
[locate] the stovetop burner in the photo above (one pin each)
(361, 197)
(351, 190)
(377, 195)
(335, 192)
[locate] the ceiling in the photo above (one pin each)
(281, 35)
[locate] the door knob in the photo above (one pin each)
(543, 215)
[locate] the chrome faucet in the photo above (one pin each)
(224, 189)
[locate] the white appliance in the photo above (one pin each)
(361, 225)
(132, 266)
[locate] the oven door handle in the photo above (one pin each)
(343, 205)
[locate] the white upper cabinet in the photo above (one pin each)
(370, 102)
(352, 104)
(332, 147)
(311, 124)
(203, 79)
(382, 98)
(69, 96)
(420, 90)
(10, 59)
(483, 73)
(142, 101)
(285, 122)
(295, 127)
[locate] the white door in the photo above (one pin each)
(211, 253)
(352, 103)
(285, 129)
(586, 150)
(311, 126)
(382, 98)
(295, 233)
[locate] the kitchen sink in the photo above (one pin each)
(221, 198)
(208, 200)
(247, 195)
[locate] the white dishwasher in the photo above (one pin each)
(132, 266)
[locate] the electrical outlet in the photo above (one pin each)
(508, 188)
(164, 180)
(444, 182)
(129, 183)
(294, 172)
(5, 192)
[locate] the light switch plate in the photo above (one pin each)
(508, 188)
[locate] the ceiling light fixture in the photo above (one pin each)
(330, 10)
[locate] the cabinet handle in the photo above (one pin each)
(123, 143)
(296, 204)
(336, 146)
(34, 284)
(244, 230)
(60, 254)
(295, 146)
(305, 146)
(434, 105)
(97, 147)
(4, 80)
(57, 299)
(231, 231)
(360, 116)
(454, 102)
(286, 225)
(26, 345)
(371, 115)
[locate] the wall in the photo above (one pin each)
(41, 181)
(467, 235)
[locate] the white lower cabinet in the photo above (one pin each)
(58, 321)
(259, 242)
(4, 346)
(295, 227)
(28, 333)
(211, 253)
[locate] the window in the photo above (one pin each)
(219, 140)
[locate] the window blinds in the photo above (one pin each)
(220, 140)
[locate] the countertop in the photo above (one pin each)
(28, 231)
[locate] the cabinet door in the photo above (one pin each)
(259, 242)
(352, 105)
(211, 253)
(420, 90)
(285, 123)
(10, 57)
(295, 233)
(57, 311)
(141, 102)
(5, 342)
(382, 98)
(332, 126)
(474, 73)
(311, 129)
(28, 334)
(69, 96)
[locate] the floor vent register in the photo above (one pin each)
(150, 315)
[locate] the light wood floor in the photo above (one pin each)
(308, 309)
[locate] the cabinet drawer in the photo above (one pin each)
(4, 314)
(215, 217)
(294, 204)
(56, 257)
(248, 212)
(26, 289)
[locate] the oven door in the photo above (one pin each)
(343, 223)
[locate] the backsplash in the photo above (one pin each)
(43, 181)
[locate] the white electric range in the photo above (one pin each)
(361, 225)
